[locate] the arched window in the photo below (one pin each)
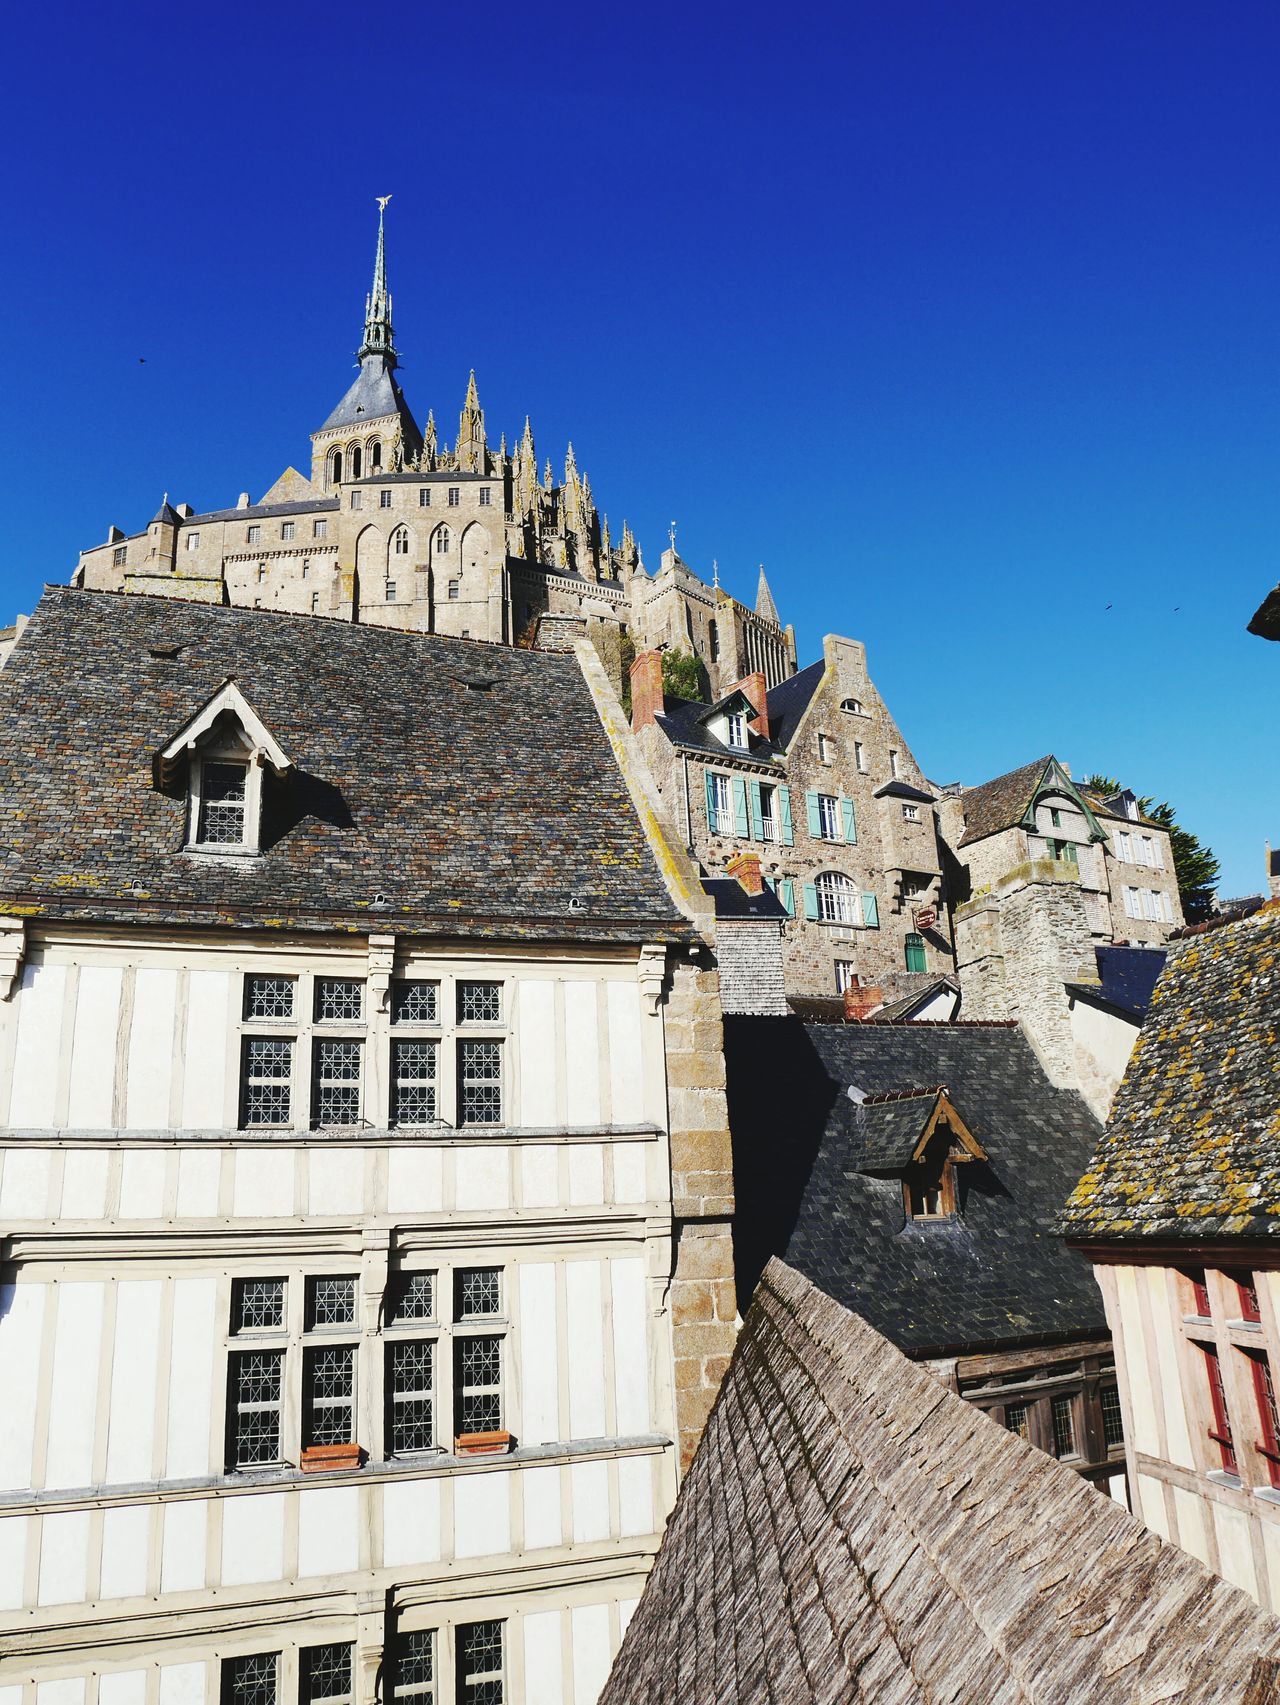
(442, 541)
(356, 461)
(335, 476)
(837, 898)
(400, 542)
(915, 953)
(375, 456)
(852, 706)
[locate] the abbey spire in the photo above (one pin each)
(379, 338)
(765, 605)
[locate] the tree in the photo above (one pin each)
(1195, 865)
(682, 675)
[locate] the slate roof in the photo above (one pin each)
(1001, 803)
(372, 394)
(850, 1530)
(996, 1276)
(255, 511)
(732, 900)
(890, 1130)
(471, 809)
(1127, 977)
(1265, 621)
(1192, 1148)
(910, 1003)
(788, 701)
(683, 723)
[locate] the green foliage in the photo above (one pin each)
(626, 657)
(1195, 865)
(683, 676)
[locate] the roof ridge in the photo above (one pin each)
(884, 1095)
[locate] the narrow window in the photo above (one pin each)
(413, 1083)
(480, 1665)
(315, 602)
(1112, 1418)
(424, 497)
(479, 1083)
(1247, 1292)
(375, 463)
(335, 1090)
(1195, 1277)
(324, 1675)
(389, 592)
(737, 731)
(411, 1367)
(120, 555)
(415, 1667)
(266, 1072)
(721, 806)
(357, 463)
(250, 1680)
(193, 541)
(400, 541)
(223, 796)
(443, 538)
(335, 468)
(453, 497)
(1017, 1418)
(1064, 1425)
(328, 1394)
(846, 976)
(1055, 817)
(414, 1002)
(357, 500)
(916, 960)
(893, 763)
(306, 567)
(1264, 1394)
(256, 1382)
(768, 813)
(320, 529)
(713, 637)
(384, 500)
(254, 535)
(479, 1003)
(1220, 1431)
(1123, 847)
(286, 529)
(860, 756)
(825, 750)
(485, 497)
(262, 573)
(828, 817)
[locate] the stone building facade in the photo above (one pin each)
(365, 1179)
(814, 776)
(390, 526)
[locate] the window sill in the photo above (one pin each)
(203, 850)
(1268, 1494)
(1220, 1477)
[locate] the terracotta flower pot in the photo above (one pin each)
(323, 1459)
(483, 1444)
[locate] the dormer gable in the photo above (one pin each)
(729, 720)
(226, 747)
(917, 1135)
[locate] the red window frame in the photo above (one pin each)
(1264, 1394)
(1246, 1286)
(1195, 1277)
(1220, 1431)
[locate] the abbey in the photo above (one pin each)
(390, 527)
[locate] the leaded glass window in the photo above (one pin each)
(413, 1083)
(257, 1305)
(331, 1302)
(1015, 1419)
(329, 1390)
(266, 1071)
(1064, 1426)
(414, 1298)
(415, 1670)
(410, 1392)
(250, 1680)
(324, 1674)
(480, 1664)
(256, 1391)
(477, 1292)
(415, 1002)
(478, 1383)
(335, 1094)
(340, 998)
(268, 997)
(222, 803)
(479, 1083)
(479, 1003)
(1112, 1419)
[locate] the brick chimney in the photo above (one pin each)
(646, 689)
(754, 687)
(859, 1002)
(746, 867)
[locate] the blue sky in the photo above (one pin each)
(960, 317)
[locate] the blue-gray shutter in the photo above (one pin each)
(757, 811)
(740, 807)
(811, 902)
(814, 815)
(850, 822)
(870, 911)
(784, 811)
(787, 894)
(711, 800)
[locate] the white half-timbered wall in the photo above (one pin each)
(132, 1562)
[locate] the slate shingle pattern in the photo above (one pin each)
(472, 809)
(852, 1531)
(997, 1276)
(1192, 1148)
(1127, 977)
(1000, 803)
(890, 1131)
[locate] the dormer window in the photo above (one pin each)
(853, 707)
(226, 748)
(736, 734)
(917, 1136)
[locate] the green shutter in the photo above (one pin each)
(850, 824)
(757, 812)
(787, 894)
(711, 800)
(811, 902)
(870, 911)
(740, 808)
(815, 816)
(784, 811)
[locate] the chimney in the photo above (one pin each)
(754, 687)
(746, 867)
(647, 700)
(858, 1002)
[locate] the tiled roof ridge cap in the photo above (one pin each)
(1224, 920)
(913, 1024)
(904, 1094)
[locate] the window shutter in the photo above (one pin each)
(811, 902)
(757, 813)
(850, 824)
(740, 807)
(1159, 851)
(815, 817)
(787, 894)
(709, 779)
(784, 811)
(870, 911)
